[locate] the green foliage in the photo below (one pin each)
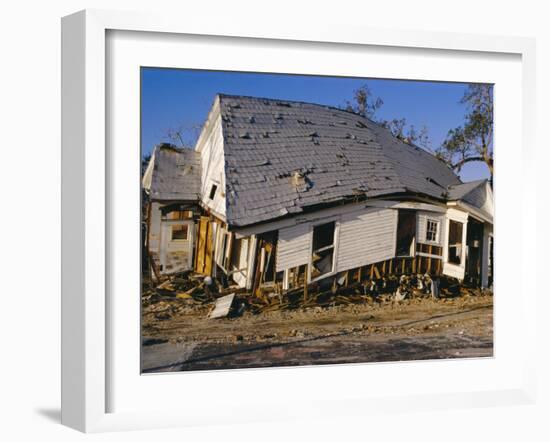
(473, 141)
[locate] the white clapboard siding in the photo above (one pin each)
(366, 237)
(213, 172)
(421, 222)
(293, 247)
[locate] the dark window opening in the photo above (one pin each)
(455, 242)
(269, 241)
(213, 191)
(322, 257)
(406, 232)
(179, 232)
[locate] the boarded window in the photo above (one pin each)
(406, 230)
(179, 215)
(455, 242)
(432, 230)
(179, 232)
(322, 259)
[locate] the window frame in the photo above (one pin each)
(172, 239)
(334, 247)
(437, 224)
(461, 260)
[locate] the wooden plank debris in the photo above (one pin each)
(222, 306)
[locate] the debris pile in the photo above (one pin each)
(193, 291)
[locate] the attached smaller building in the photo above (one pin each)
(171, 184)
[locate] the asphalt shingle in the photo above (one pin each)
(176, 174)
(337, 155)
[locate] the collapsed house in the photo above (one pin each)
(281, 194)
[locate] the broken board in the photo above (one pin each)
(222, 306)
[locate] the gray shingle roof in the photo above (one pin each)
(459, 191)
(282, 157)
(176, 174)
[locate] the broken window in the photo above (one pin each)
(432, 230)
(455, 242)
(322, 257)
(406, 231)
(179, 232)
(213, 191)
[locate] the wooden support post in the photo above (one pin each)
(391, 266)
(384, 267)
(429, 265)
(359, 274)
(402, 265)
(371, 271)
(305, 289)
(376, 272)
(414, 264)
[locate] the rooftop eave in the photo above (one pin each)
(474, 211)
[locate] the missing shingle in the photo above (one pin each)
(431, 180)
(264, 162)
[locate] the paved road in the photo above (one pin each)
(346, 347)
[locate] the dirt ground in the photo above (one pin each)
(179, 336)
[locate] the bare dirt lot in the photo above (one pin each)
(179, 336)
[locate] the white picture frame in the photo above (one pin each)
(86, 316)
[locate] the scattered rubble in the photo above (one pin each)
(191, 291)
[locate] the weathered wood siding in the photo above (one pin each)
(293, 247)
(366, 237)
(175, 255)
(169, 256)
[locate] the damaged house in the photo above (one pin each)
(284, 194)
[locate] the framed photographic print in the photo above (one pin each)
(248, 214)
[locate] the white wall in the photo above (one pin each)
(293, 246)
(210, 145)
(366, 237)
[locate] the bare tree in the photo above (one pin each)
(183, 136)
(366, 104)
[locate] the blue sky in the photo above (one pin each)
(174, 98)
